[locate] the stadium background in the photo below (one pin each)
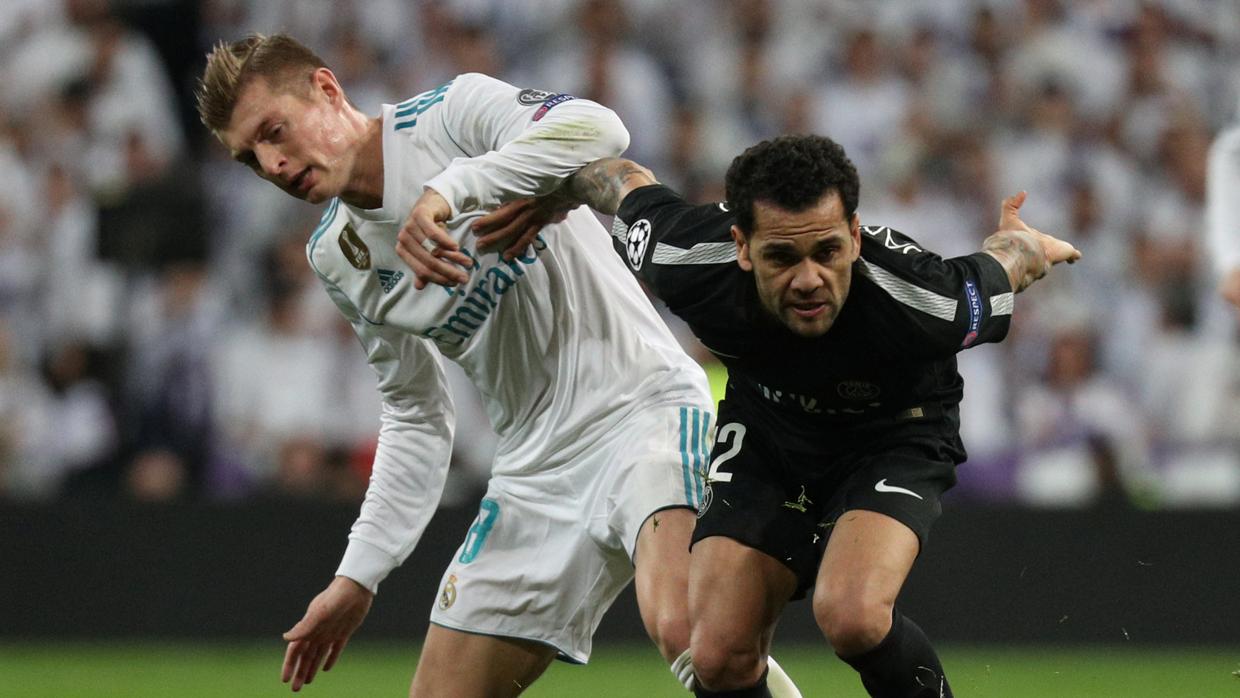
(185, 425)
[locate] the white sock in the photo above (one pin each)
(682, 669)
(778, 683)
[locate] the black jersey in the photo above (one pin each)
(890, 353)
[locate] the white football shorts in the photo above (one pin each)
(550, 552)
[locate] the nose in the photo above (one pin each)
(270, 160)
(806, 278)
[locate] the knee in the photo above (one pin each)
(720, 666)
(670, 632)
(852, 625)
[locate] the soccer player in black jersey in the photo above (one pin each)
(840, 426)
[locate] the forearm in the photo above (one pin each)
(1022, 255)
(604, 183)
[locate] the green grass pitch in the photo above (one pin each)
(43, 670)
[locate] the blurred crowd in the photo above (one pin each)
(162, 337)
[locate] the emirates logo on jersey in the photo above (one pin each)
(636, 241)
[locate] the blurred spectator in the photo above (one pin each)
(598, 61)
(254, 365)
(190, 283)
(70, 431)
(1222, 223)
(1081, 442)
(865, 83)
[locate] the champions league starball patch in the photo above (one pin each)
(531, 97)
(636, 241)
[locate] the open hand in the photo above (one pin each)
(424, 244)
(321, 635)
(1056, 250)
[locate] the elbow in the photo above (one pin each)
(613, 137)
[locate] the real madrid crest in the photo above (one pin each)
(447, 597)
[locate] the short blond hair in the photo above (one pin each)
(279, 59)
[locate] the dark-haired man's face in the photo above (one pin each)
(802, 261)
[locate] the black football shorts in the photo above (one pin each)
(784, 503)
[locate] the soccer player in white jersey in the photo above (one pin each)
(603, 421)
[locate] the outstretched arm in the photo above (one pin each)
(1026, 254)
(601, 185)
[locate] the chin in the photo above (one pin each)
(813, 328)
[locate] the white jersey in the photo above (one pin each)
(561, 342)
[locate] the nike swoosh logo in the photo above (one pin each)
(882, 486)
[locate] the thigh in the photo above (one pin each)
(867, 559)
(754, 498)
(661, 578)
(736, 594)
(905, 482)
(464, 665)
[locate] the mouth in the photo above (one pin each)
(808, 310)
(302, 182)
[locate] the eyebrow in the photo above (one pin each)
(247, 155)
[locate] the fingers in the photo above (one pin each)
(311, 667)
(334, 654)
(1009, 216)
(519, 246)
(431, 264)
(291, 655)
(513, 227)
(501, 217)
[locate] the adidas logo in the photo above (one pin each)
(388, 278)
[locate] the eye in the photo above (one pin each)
(275, 132)
(825, 254)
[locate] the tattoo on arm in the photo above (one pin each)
(603, 184)
(1021, 254)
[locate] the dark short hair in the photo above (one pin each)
(791, 172)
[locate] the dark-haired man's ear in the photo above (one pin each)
(742, 249)
(854, 232)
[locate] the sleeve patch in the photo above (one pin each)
(635, 243)
(549, 104)
(529, 98)
(974, 299)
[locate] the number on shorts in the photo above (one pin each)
(479, 531)
(736, 433)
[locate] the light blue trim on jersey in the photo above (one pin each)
(700, 473)
(329, 214)
(487, 513)
(697, 454)
(418, 105)
(684, 456)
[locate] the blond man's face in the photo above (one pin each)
(295, 138)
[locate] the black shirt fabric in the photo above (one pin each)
(889, 356)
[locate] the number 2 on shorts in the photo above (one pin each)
(734, 432)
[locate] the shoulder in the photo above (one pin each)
(324, 254)
(879, 241)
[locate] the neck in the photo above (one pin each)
(365, 186)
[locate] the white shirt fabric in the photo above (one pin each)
(561, 342)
